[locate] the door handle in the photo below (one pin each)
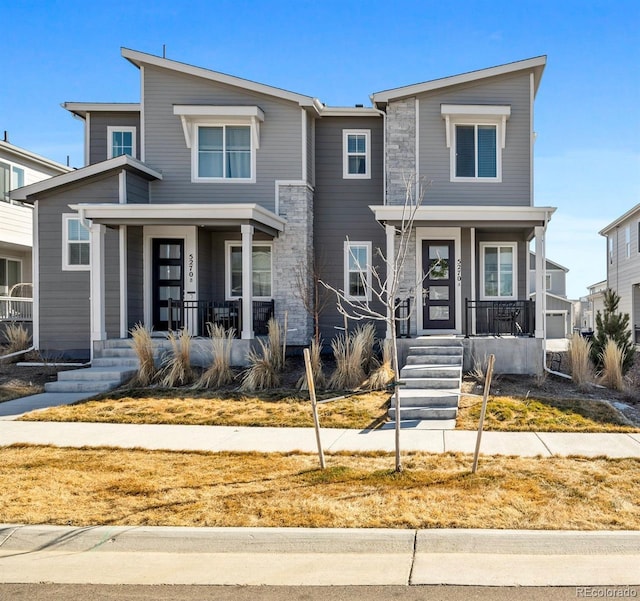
(425, 294)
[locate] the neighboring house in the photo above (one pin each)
(208, 200)
(559, 309)
(623, 264)
(18, 167)
(591, 304)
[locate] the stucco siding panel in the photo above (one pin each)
(279, 155)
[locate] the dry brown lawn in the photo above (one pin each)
(107, 486)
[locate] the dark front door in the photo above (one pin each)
(168, 280)
(438, 286)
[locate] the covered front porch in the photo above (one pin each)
(181, 267)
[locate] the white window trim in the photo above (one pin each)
(627, 241)
(15, 260)
(485, 245)
(66, 266)
(345, 154)
(228, 245)
(475, 114)
(111, 129)
(366, 268)
(547, 281)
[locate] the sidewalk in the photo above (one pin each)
(415, 436)
(301, 556)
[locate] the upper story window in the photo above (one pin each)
(223, 141)
(121, 140)
(357, 272)
(75, 244)
(476, 136)
(627, 241)
(224, 152)
(10, 274)
(499, 270)
(356, 156)
(11, 177)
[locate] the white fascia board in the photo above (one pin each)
(142, 58)
(630, 213)
(22, 154)
(349, 111)
(489, 110)
(427, 86)
(181, 212)
(207, 110)
(119, 162)
(82, 108)
(483, 214)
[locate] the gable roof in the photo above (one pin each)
(118, 163)
(535, 64)
(18, 154)
(142, 58)
(605, 230)
(532, 256)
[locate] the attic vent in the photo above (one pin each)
(359, 106)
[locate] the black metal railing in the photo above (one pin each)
(194, 315)
(403, 318)
(499, 318)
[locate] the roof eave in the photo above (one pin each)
(605, 230)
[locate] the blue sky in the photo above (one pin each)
(587, 154)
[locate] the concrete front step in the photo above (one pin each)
(423, 413)
(427, 398)
(112, 373)
(81, 386)
(448, 383)
(116, 361)
(431, 371)
(116, 352)
(434, 360)
(436, 350)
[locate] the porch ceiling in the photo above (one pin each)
(182, 214)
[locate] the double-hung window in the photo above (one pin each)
(75, 244)
(356, 155)
(499, 270)
(121, 140)
(475, 136)
(224, 152)
(357, 270)
(262, 271)
(11, 177)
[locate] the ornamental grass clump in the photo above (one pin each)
(143, 346)
(219, 373)
(266, 364)
(383, 375)
(176, 366)
(612, 365)
(580, 362)
(350, 353)
(319, 379)
(17, 338)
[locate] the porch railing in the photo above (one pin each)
(499, 318)
(403, 319)
(194, 315)
(15, 308)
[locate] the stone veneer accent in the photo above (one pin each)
(292, 250)
(401, 148)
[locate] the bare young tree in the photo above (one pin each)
(385, 287)
(314, 296)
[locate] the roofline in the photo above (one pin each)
(36, 158)
(552, 262)
(121, 162)
(478, 213)
(349, 111)
(142, 58)
(617, 222)
(551, 295)
(537, 64)
(82, 108)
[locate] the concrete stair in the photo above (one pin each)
(111, 367)
(432, 377)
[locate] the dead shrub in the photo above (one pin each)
(580, 363)
(219, 373)
(17, 338)
(612, 358)
(176, 366)
(143, 346)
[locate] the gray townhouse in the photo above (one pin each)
(212, 198)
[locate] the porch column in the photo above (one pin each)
(247, 281)
(97, 284)
(391, 259)
(541, 292)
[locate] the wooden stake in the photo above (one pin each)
(284, 339)
(487, 385)
(314, 405)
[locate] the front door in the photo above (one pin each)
(438, 285)
(167, 281)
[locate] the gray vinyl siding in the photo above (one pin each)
(341, 207)
(137, 189)
(434, 156)
(64, 295)
(206, 269)
(522, 250)
(135, 276)
(623, 273)
(98, 123)
(278, 158)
